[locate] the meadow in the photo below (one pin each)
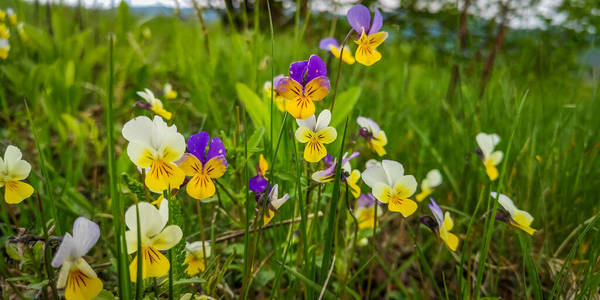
(69, 87)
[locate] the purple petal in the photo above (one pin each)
(377, 22)
(258, 184)
(348, 158)
(437, 211)
(359, 18)
(327, 160)
(197, 145)
(365, 200)
(316, 68)
(325, 175)
(297, 70)
(216, 148)
(326, 43)
(276, 80)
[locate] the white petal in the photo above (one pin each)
(372, 162)
(309, 122)
(486, 143)
(434, 178)
(393, 169)
(18, 170)
(369, 124)
(147, 95)
(506, 202)
(408, 183)
(85, 234)
(374, 175)
(323, 120)
(496, 157)
(196, 248)
(131, 240)
(167, 239)
(150, 219)
(164, 212)
(279, 202)
(12, 154)
(67, 251)
(63, 275)
(138, 129)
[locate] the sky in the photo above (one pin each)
(527, 16)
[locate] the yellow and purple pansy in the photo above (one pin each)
(331, 44)
(351, 177)
(203, 166)
(441, 224)
(307, 83)
(258, 183)
(359, 18)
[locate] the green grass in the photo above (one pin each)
(81, 91)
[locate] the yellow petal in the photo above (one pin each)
(448, 222)
(304, 135)
(215, 167)
(314, 151)
(365, 218)
(81, 286)
(300, 107)
(190, 165)
(317, 88)
(263, 166)
(154, 264)
(327, 135)
(163, 175)
(289, 88)
(382, 192)
(269, 214)
(452, 241)
(367, 56)
(162, 112)
(404, 206)
(171, 95)
(491, 170)
(423, 194)
(375, 39)
(378, 142)
(200, 187)
(17, 191)
(346, 56)
(523, 220)
(352, 183)
(194, 265)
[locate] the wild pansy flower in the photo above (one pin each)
(13, 169)
(76, 275)
(274, 203)
(375, 137)
(269, 88)
(431, 181)
(194, 258)
(258, 183)
(348, 175)
(391, 186)
(365, 211)
(154, 144)
(315, 133)
(359, 18)
(442, 224)
(307, 83)
(155, 237)
(169, 92)
(331, 44)
(152, 104)
(511, 214)
(12, 16)
(203, 167)
(489, 157)
(4, 48)
(4, 33)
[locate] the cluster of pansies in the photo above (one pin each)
(7, 18)
(158, 151)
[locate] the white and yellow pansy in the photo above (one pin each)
(4, 33)
(375, 137)
(274, 203)
(13, 170)
(155, 237)
(154, 144)
(155, 105)
(76, 276)
(315, 133)
(516, 217)
(169, 92)
(431, 181)
(194, 258)
(4, 48)
(389, 185)
(444, 224)
(351, 176)
(12, 16)
(489, 157)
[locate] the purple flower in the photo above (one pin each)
(258, 183)
(365, 200)
(332, 45)
(307, 82)
(370, 38)
(203, 166)
(327, 43)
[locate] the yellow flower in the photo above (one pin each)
(194, 257)
(12, 16)
(155, 145)
(76, 275)
(156, 105)
(518, 218)
(366, 52)
(155, 237)
(489, 157)
(433, 180)
(4, 48)
(2, 15)
(12, 170)
(359, 18)
(203, 167)
(169, 92)
(331, 44)
(4, 33)
(391, 186)
(315, 133)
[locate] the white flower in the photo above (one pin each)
(391, 186)
(490, 158)
(194, 258)
(518, 218)
(156, 106)
(169, 92)
(375, 137)
(433, 180)
(154, 144)
(315, 133)
(76, 275)
(155, 237)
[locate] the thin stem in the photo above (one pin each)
(339, 70)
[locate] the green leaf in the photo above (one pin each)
(255, 139)
(105, 295)
(189, 281)
(255, 107)
(345, 104)
(13, 252)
